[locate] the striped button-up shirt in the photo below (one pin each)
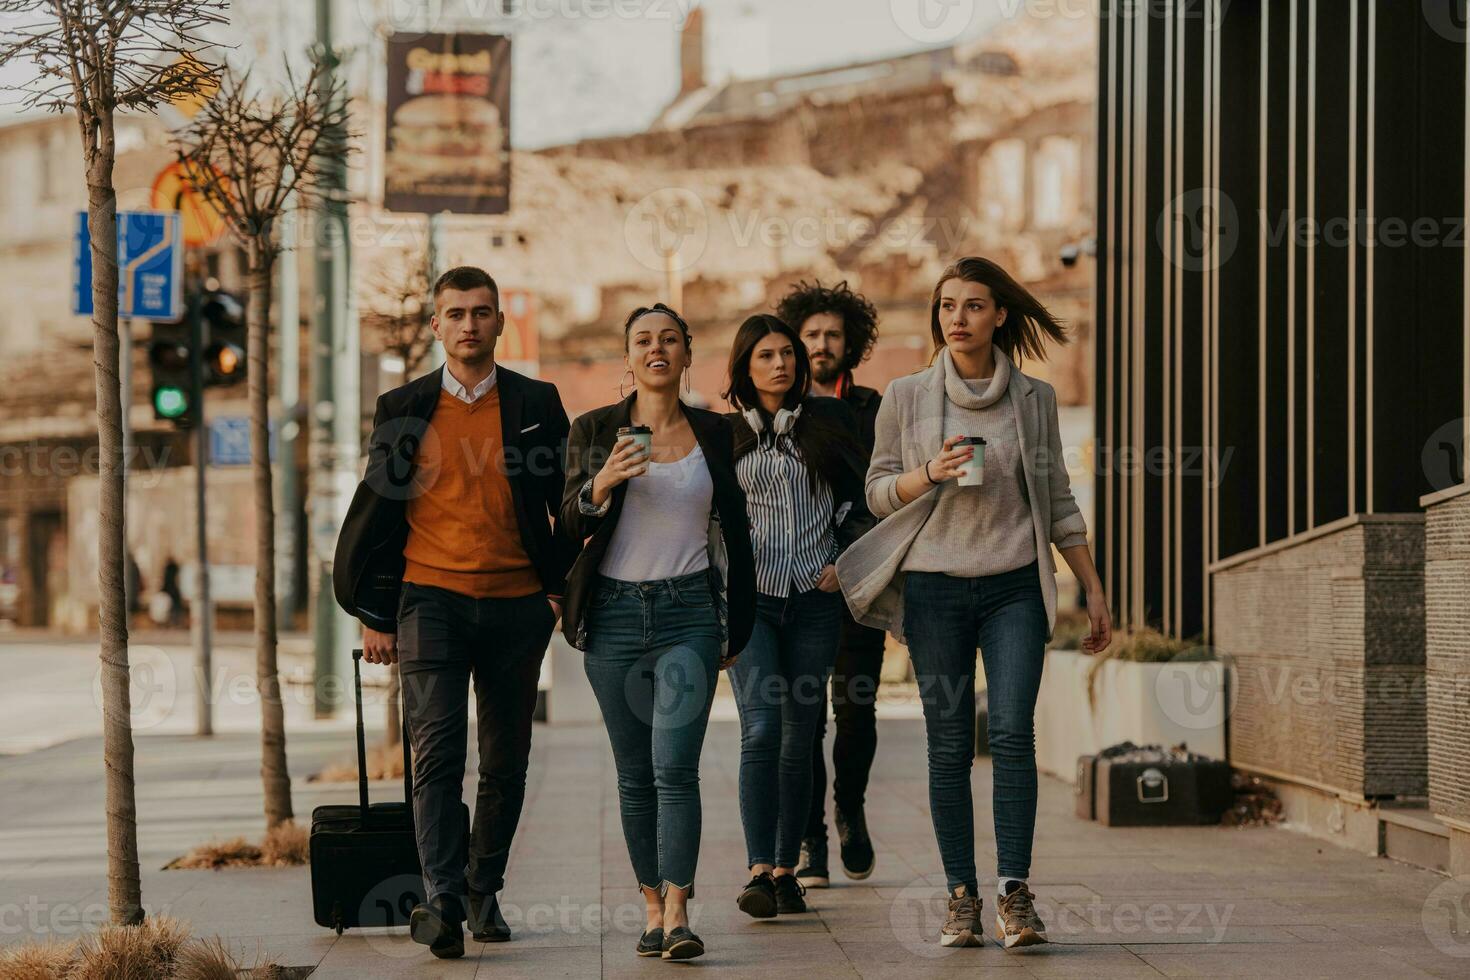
(790, 525)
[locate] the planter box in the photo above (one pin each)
(1145, 703)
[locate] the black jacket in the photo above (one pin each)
(367, 574)
(848, 482)
(588, 448)
(865, 402)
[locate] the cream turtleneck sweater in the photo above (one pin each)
(982, 530)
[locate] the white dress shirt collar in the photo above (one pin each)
(452, 385)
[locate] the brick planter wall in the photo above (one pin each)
(1447, 653)
(1327, 638)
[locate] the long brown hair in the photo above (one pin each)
(1027, 323)
(819, 443)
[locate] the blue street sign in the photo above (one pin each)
(229, 441)
(150, 260)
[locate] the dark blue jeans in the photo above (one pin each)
(444, 640)
(780, 688)
(653, 654)
(945, 618)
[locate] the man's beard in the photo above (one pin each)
(826, 370)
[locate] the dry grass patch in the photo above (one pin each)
(285, 845)
(158, 949)
(383, 762)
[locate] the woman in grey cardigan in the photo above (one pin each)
(963, 559)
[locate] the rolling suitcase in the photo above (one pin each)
(365, 867)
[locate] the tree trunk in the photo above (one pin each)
(124, 888)
(275, 778)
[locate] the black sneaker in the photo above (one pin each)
(788, 895)
(858, 858)
(436, 924)
(758, 899)
(681, 944)
(486, 923)
(811, 870)
(651, 943)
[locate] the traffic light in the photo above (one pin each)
(168, 358)
(219, 318)
(224, 354)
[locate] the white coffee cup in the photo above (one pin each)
(972, 472)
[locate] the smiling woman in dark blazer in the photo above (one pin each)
(661, 599)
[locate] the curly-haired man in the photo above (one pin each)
(839, 328)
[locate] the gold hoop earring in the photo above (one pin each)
(623, 381)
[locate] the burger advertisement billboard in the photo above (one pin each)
(448, 126)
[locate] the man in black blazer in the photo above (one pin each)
(450, 558)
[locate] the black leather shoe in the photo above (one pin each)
(436, 924)
(651, 943)
(758, 899)
(788, 895)
(486, 923)
(858, 858)
(681, 944)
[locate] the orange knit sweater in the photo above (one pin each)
(462, 530)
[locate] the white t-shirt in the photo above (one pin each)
(663, 530)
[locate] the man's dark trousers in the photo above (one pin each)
(445, 639)
(855, 679)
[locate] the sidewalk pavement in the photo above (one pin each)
(1199, 902)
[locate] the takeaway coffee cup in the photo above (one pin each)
(973, 473)
(641, 434)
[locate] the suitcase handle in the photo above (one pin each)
(362, 778)
(1153, 776)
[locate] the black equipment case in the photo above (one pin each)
(1153, 787)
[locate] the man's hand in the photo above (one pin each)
(379, 648)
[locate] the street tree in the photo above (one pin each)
(247, 151)
(96, 58)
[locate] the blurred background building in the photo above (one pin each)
(877, 170)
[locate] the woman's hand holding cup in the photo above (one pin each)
(629, 459)
(950, 463)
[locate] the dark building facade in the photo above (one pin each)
(1283, 378)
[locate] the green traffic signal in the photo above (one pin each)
(170, 402)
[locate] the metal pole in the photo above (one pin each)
(437, 265)
(203, 612)
(287, 429)
(335, 439)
